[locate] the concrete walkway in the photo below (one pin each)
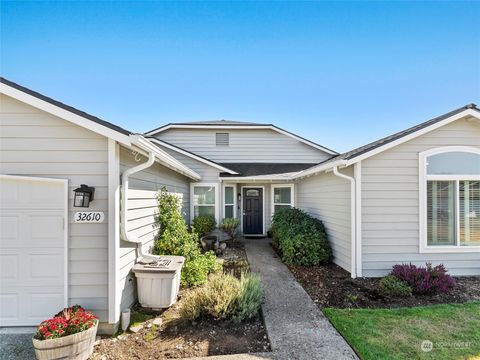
(16, 343)
(297, 329)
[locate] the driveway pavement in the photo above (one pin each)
(16, 344)
(297, 329)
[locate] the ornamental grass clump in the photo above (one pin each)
(224, 297)
(174, 239)
(69, 321)
(425, 280)
(301, 238)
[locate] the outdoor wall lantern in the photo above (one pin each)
(83, 196)
(239, 197)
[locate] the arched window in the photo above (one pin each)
(450, 199)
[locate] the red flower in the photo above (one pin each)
(69, 321)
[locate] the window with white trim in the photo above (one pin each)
(282, 197)
(451, 186)
(204, 200)
(229, 201)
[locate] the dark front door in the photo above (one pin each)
(253, 211)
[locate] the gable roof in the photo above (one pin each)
(255, 169)
(191, 155)
(228, 124)
(49, 105)
(92, 123)
(362, 152)
(219, 122)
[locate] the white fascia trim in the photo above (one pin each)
(64, 114)
(342, 162)
(163, 157)
(243, 127)
(318, 169)
(195, 157)
(464, 113)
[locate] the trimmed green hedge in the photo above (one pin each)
(301, 239)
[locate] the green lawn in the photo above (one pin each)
(454, 331)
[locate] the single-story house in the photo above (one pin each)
(411, 197)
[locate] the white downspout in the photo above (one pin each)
(123, 222)
(353, 229)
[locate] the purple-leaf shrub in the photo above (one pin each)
(426, 280)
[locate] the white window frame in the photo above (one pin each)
(272, 196)
(423, 178)
(192, 204)
(234, 186)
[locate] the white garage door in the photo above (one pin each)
(32, 249)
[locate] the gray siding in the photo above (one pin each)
(390, 205)
(260, 145)
(327, 197)
(141, 215)
(207, 172)
(35, 143)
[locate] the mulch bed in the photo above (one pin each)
(331, 286)
(175, 339)
(234, 258)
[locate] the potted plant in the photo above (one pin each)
(68, 335)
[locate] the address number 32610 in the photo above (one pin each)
(89, 217)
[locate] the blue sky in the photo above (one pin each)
(339, 73)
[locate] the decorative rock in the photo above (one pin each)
(136, 328)
(157, 321)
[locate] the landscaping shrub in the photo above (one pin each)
(425, 279)
(391, 286)
(224, 297)
(301, 239)
(175, 239)
(204, 225)
(230, 226)
(222, 292)
(250, 298)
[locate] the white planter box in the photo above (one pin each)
(73, 347)
(157, 286)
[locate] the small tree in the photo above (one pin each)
(175, 239)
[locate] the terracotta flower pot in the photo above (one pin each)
(73, 347)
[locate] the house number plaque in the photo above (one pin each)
(86, 217)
